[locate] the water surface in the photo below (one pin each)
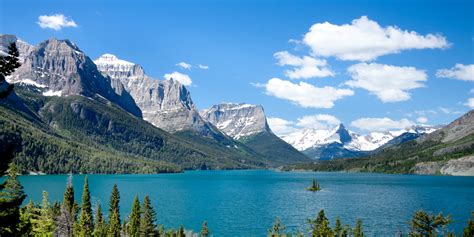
(246, 203)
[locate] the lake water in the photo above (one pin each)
(246, 203)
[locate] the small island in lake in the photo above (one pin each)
(314, 186)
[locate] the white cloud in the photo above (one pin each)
(365, 40)
(280, 126)
(182, 78)
(55, 22)
(449, 110)
(184, 65)
(381, 124)
(205, 67)
(458, 72)
(470, 103)
(304, 94)
(388, 83)
(318, 121)
(422, 120)
(305, 67)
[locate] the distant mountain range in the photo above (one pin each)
(339, 142)
(448, 150)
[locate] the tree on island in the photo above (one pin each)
(314, 186)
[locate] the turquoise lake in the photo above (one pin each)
(246, 202)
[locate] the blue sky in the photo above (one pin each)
(238, 40)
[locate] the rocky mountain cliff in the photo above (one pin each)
(237, 120)
(166, 104)
(60, 68)
(248, 124)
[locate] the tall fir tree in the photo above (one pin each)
(99, 224)
(45, 223)
(67, 216)
(469, 230)
(277, 228)
(133, 228)
(114, 225)
(86, 223)
(11, 197)
(358, 229)
(338, 227)
(147, 222)
(180, 232)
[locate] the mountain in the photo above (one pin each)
(60, 68)
(248, 124)
(327, 144)
(166, 104)
(64, 116)
(449, 150)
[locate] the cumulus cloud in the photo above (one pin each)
(470, 103)
(458, 72)
(305, 67)
(182, 78)
(184, 65)
(55, 22)
(205, 67)
(380, 124)
(365, 40)
(422, 120)
(318, 121)
(304, 94)
(388, 83)
(281, 126)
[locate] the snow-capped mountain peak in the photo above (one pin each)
(311, 139)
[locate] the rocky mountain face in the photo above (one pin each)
(167, 104)
(60, 68)
(340, 143)
(237, 120)
(23, 48)
(248, 124)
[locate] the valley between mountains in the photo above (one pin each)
(69, 113)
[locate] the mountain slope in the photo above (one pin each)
(90, 131)
(429, 153)
(247, 124)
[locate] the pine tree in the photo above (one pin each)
(424, 224)
(114, 213)
(180, 232)
(100, 228)
(9, 63)
(11, 197)
(204, 230)
(86, 224)
(45, 223)
(67, 216)
(320, 225)
(147, 222)
(337, 227)
(277, 228)
(134, 218)
(358, 230)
